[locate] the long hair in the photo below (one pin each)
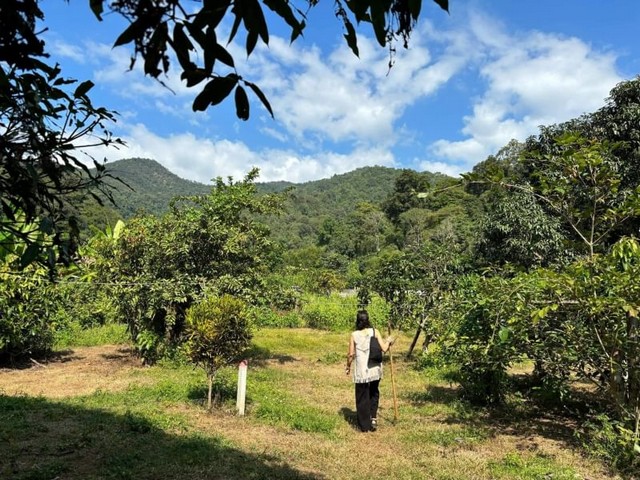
(362, 320)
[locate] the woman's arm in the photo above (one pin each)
(351, 354)
(385, 343)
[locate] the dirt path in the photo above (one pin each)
(80, 371)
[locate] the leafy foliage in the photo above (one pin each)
(159, 267)
(217, 332)
(46, 126)
(155, 28)
(28, 313)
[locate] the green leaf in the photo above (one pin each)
(234, 28)
(209, 51)
(223, 55)
(350, 36)
(282, 8)
(194, 77)
(83, 88)
(378, 21)
(215, 11)
(636, 447)
(414, 8)
(254, 20)
(214, 92)
(242, 103)
(97, 8)
(261, 96)
(29, 255)
(359, 9)
(444, 4)
(132, 32)
(181, 43)
(46, 225)
(504, 334)
(252, 41)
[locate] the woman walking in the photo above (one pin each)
(366, 376)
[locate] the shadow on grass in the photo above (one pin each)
(259, 356)
(523, 418)
(350, 416)
(38, 361)
(41, 439)
(434, 394)
(127, 354)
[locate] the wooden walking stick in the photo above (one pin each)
(393, 383)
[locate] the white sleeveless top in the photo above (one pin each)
(362, 373)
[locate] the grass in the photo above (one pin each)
(152, 424)
(76, 336)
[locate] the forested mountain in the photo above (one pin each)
(310, 212)
(146, 186)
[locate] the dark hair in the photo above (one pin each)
(362, 320)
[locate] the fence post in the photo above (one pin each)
(242, 387)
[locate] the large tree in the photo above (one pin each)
(46, 120)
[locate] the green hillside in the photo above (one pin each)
(148, 186)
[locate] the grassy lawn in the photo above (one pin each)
(96, 413)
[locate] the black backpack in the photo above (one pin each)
(375, 352)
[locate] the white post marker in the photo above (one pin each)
(242, 387)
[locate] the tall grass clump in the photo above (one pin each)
(77, 335)
(337, 313)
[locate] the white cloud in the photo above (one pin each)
(338, 97)
(335, 112)
(62, 49)
(203, 159)
(450, 169)
(532, 79)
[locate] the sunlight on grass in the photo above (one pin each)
(298, 424)
(76, 336)
(529, 467)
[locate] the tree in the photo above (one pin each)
(583, 185)
(217, 332)
(45, 125)
(405, 194)
(517, 230)
(159, 267)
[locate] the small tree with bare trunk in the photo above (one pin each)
(218, 332)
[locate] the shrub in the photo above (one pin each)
(28, 315)
(338, 313)
(218, 331)
(269, 317)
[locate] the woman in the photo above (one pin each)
(366, 379)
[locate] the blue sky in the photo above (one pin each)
(469, 82)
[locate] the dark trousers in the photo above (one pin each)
(367, 398)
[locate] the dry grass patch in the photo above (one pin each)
(81, 371)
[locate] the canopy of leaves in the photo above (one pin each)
(157, 29)
(46, 121)
(158, 267)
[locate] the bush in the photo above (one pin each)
(338, 313)
(218, 331)
(28, 315)
(608, 439)
(268, 317)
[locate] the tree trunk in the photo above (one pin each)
(415, 340)
(210, 390)
(416, 336)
